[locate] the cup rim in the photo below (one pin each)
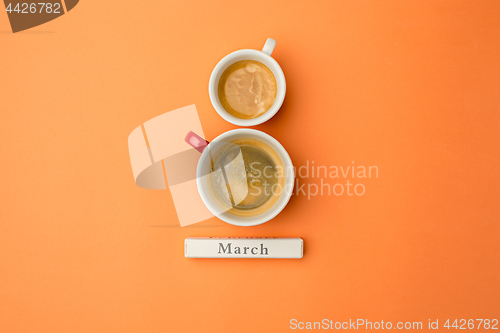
(214, 99)
(274, 210)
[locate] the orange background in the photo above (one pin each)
(409, 86)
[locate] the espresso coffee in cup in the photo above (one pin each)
(244, 177)
(251, 178)
(247, 89)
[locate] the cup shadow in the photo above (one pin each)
(173, 226)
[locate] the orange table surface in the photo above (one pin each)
(411, 87)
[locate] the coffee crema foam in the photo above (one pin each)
(247, 89)
(252, 178)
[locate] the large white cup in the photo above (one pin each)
(204, 168)
(264, 57)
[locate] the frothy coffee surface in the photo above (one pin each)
(252, 177)
(247, 89)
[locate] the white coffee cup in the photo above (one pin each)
(204, 168)
(264, 57)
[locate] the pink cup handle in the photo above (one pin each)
(195, 141)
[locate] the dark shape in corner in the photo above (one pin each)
(70, 4)
(24, 16)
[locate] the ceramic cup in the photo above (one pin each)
(204, 168)
(264, 57)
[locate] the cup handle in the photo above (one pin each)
(269, 46)
(196, 141)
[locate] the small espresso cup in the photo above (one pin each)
(263, 57)
(205, 170)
